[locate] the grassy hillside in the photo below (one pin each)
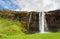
(9, 27)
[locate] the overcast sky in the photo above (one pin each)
(30, 5)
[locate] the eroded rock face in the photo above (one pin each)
(53, 20)
(34, 24)
(23, 17)
(52, 17)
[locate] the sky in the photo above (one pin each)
(8, 4)
(30, 5)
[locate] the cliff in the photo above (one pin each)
(52, 18)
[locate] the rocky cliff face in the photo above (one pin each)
(23, 17)
(52, 17)
(53, 20)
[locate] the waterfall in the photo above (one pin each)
(29, 20)
(46, 26)
(42, 23)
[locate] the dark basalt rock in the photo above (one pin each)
(53, 20)
(52, 17)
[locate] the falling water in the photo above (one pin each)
(45, 25)
(29, 20)
(42, 23)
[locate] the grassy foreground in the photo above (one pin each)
(36, 36)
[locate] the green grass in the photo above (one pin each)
(9, 27)
(36, 36)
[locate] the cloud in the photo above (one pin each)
(50, 5)
(17, 9)
(30, 5)
(38, 5)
